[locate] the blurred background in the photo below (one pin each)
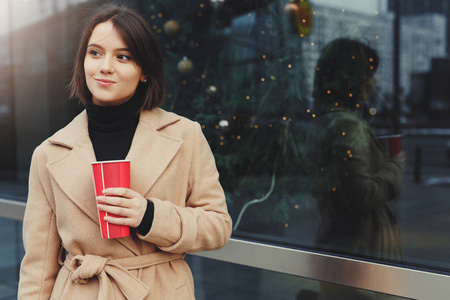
(244, 69)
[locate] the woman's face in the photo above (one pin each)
(111, 73)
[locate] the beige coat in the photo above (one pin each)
(171, 165)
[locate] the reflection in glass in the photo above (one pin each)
(354, 179)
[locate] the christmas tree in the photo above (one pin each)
(236, 67)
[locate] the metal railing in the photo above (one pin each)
(394, 280)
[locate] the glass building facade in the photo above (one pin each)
(293, 97)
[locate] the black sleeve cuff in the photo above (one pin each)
(147, 220)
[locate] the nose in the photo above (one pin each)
(106, 67)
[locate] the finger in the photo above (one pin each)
(116, 210)
(117, 221)
(119, 192)
(114, 201)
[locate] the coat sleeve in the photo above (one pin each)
(41, 240)
(366, 188)
(204, 224)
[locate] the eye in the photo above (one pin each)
(94, 53)
(123, 57)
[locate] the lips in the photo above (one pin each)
(104, 82)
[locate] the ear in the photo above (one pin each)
(144, 78)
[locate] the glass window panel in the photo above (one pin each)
(11, 253)
(247, 72)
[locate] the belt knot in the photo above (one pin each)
(87, 266)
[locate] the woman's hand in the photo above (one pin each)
(123, 202)
(400, 159)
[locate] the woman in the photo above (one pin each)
(175, 204)
(354, 178)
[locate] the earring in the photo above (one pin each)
(144, 80)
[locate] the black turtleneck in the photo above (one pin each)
(111, 129)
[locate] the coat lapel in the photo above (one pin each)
(151, 151)
(72, 172)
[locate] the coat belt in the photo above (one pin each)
(84, 267)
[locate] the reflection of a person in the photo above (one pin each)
(354, 180)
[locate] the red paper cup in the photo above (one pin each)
(392, 144)
(107, 174)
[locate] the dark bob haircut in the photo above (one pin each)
(142, 44)
(344, 69)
